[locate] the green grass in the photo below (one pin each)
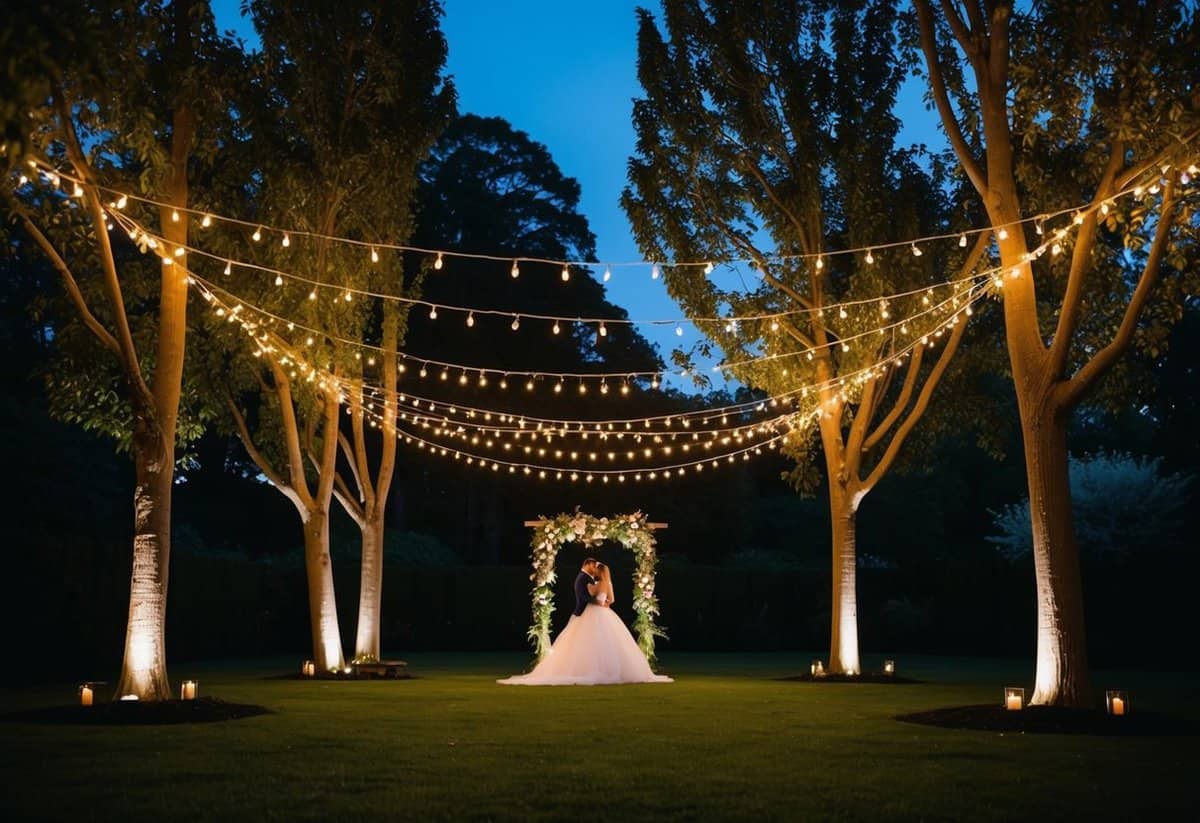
(725, 741)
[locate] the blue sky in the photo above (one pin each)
(566, 73)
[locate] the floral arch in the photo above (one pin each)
(630, 530)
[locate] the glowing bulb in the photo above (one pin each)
(1055, 249)
(206, 221)
(566, 274)
(374, 255)
(348, 297)
(557, 329)
(279, 280)
(916, 252)
(437, 263)
(445, 374)
(179, 251)
(607, 274)
(470, 319)
(257, 235)
(287, 241)
(462, 379)
(624, 388)
(312, 295)
(820, 263)
(842, 313)
(679, 331)
(516, 323)
(433, 312)
(174, 212)
(515, 271)
(558, 387)
(870, 258)
(122, 201)
(1002, 234)
(603, 330)
(1104, 208)
(654, 382)
(582, 387)
(529, 384)
(708, 268)
(962, 241)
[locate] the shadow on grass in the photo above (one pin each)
(1053, 720)
(134, 713)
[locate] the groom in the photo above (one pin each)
(585, 585)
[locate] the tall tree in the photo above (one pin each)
(773, 125)
(137, 109)
(354, 96)
(1047, 107)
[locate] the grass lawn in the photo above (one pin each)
(727, 740)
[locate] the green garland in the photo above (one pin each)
(631, 531)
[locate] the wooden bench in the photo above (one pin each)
(390, 669)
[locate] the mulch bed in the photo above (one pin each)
(870, 677)
(137, 713)
(1053, 720)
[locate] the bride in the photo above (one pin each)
(594, 648)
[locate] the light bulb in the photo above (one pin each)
(529, 384)
(433, 312)
(174, 212)
(462, 379)
(424, 372)
(374, 255)
(582, 387)
(679, 331)
(607, 274)
(820, 263)
(603, 330)
(470, 319)
(122, 201)
(624, 388)
(312, 295)
(279, 280)
(515, 271)
(1002, 234)
(962, 241)
(708, 268)
(566, 274)
(916, 252)
(870, 257)
(287, 241)
(558, 387)
(654, 382)
(654, 272)
(257, 235)
(445, 374)
(556, 327)
(437, 263)
(206, 221)
(348, 297)
(516, 323)
(842, 314)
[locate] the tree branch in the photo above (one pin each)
(69, 282)
(910, 422)
(259, 459)
(906, 390)
(937, 84)
(348, 451)
(1103, 360)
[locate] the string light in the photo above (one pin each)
(566, 273)
(437, 262)
(257, 235)
(654, 271)
(515, 271)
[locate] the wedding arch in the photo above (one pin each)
(632, 531)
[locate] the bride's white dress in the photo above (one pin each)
(594, 648)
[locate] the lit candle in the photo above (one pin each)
(188, 691)
(817, 668)
(1014, 702)
(308, 669)
(1014, 699)
(889, 667)
(1118, 706)
(85, 694)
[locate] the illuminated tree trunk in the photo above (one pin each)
(1062, 665)
(144, 665)
(370, 593)
(843, 641)
(322, 602)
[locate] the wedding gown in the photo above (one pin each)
(594, 648)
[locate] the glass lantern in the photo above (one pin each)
(1014, 698)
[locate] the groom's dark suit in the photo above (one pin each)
(582, 598)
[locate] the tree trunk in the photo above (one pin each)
(370, 591)
(1062, 666)
(843, 641)
(144, 665)
(322, 604)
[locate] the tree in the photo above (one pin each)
(774, 125)
(138, 108)
(354, 95)
(1055, 105)
(489, 188)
